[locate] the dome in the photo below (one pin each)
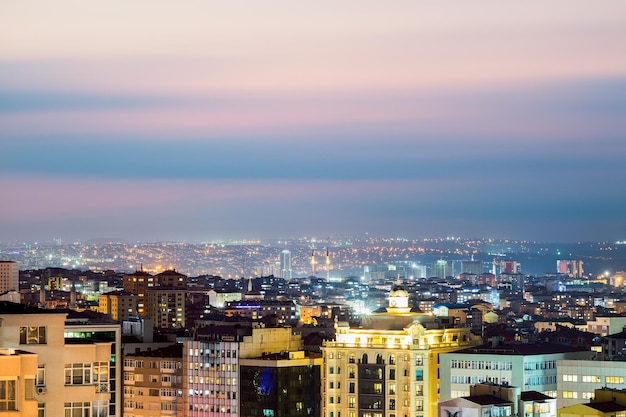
(398, 292)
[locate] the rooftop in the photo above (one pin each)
(607, 406)
(521, 349)
(487, 400)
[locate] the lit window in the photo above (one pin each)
(8, 394)
(32, 335)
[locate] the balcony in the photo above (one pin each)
(102, 387)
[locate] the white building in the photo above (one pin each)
(532, 367)
(577, 379)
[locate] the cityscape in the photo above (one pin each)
(323, 209)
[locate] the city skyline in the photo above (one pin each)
(196, 122)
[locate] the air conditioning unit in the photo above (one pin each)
(42, 390)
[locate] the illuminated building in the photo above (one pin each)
(531, 367)
(285, 311)
(171, 278)
(571, 267)
(282, 384)
(389, 365)
(166, 306)
(501, 401)
(120, 305)
(153, 382)
(442, 269)
(285, 265)
(138, 283)
(204, 377)
(472, 267)
(9, 276)
(76, 358)
(211, 380)
(604, 402)
(578, 379)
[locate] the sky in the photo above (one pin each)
(204, 120)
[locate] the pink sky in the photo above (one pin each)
(386, 116)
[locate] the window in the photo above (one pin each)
(351, 402)
(77, 374)
(570, 394)
(77, 409)
(591, 378)
(8, 394)
(32, 335)
(100, 408)
(101, 376)
(570, 378)
(40, 379)
(614, 379)
(419, 375)
(351, 388)
(41, 409)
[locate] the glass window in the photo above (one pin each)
(8, 394)
(32, 335)
(40, 379)
(77, 373)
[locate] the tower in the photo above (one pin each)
(285, 264)
(327, 265)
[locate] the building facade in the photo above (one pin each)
(119, 305)
(578, 379)
(9, 276)
(389, 365)
(73, 374)
(18, 370)
(531, 367)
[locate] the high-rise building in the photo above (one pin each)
(442, 269)
(285, 265)
(388, 365)
(138, 283)
(571, 267)
(472, 267)
(166, 306)
(9, 276)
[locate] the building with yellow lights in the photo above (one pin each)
(120, 305)
(389, 365)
